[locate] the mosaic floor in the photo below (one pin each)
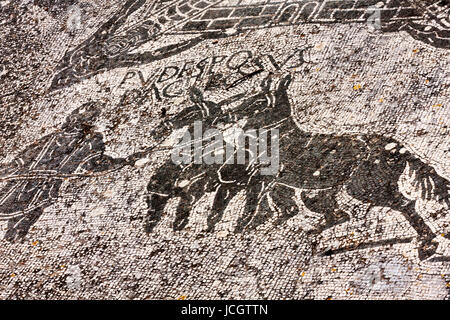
(96, 95)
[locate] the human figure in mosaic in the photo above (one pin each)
(32, 181)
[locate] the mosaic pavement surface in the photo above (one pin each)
(95, 95)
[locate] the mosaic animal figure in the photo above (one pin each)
(368, 167)
(178, 180)
(32, 181)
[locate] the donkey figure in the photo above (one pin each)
(368, 167)
(190, 181)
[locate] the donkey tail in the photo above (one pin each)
(428, 183)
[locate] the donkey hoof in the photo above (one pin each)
(427, 249)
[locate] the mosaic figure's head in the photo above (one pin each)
(85, 115)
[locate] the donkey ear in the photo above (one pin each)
(266, 83)
(72, 117)
(196, 95)
(285, 82)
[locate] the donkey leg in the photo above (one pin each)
(381, 189)
(188, 198)
(250, 207)
(284, 198)
(427, 247)
(161, 188)
(325, 202)
(377, 181)
(221, 200)
(156, 203)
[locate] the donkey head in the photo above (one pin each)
(83, 116)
